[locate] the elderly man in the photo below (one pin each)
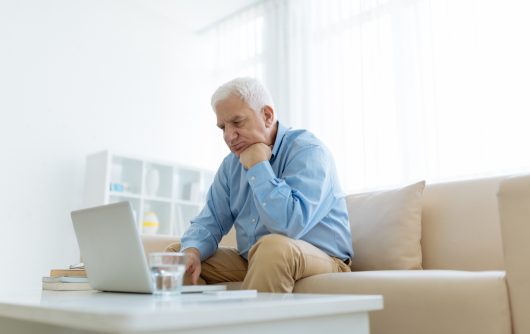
(279, 188)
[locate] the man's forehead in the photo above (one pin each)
(226, 110)
(229, 117)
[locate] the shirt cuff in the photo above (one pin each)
(201, 248)
(260, 173)
(198, 237)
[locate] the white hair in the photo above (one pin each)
(250, 90)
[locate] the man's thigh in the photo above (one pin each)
(317, 261)
(226, 265)
(306, 260)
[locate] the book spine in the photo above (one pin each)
(60, 286)
(65, 279)
(67, 272)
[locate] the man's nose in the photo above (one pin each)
(230, 134)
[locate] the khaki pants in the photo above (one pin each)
(274, 264)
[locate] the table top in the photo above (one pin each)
(93, 310)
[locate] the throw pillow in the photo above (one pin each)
(386, 228)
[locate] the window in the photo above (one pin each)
(399, 90)
(235, 46)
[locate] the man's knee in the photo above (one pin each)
(174, 247)
(274, 247)
(274, 239)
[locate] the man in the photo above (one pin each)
(279, 188)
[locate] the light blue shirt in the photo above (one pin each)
(296, 193)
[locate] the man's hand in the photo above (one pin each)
(193, 263)
(255, 153)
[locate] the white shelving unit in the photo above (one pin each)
(175, 193)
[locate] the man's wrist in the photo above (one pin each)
(261, 173)
(192, 251)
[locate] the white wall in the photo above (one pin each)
(77, 77)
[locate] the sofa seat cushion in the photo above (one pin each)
(433, 301)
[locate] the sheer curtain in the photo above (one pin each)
(235, 46)
(399, 90)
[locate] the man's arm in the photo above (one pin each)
(293, 204)
(214, 221)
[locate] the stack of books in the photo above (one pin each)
(66, 279)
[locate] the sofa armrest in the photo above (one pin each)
(514, 210)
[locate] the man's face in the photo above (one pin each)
(241, 125)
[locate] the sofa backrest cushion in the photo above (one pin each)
(386, 228)
(460, 226)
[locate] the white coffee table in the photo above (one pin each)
(90, 312)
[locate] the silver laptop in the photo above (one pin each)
(113, 252)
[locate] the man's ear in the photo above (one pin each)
(268, 114)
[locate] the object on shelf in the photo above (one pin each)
(150, 224)
(119, 187)
(152, 182)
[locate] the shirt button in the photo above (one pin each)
(263, 204)
(252, 178)
(253, 220)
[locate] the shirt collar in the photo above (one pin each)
(282, 130)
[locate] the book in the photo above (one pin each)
(67, 272)
(62, 286)
(65, 279)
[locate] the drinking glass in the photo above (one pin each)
(167, 272)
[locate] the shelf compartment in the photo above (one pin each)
(125, 175)
(163, 213)
(184, 213)
(158, 180)
(186, 184)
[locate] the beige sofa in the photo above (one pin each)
(466, 285)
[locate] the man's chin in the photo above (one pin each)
(239, 151)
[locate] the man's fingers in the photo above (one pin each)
(193, 265)
(195, 276)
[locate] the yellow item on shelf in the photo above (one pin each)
(150, 223)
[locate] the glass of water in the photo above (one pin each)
(167, 272)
